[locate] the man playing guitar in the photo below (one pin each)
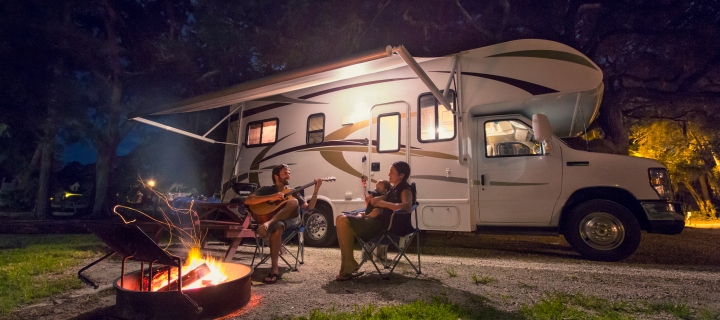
(287, 217)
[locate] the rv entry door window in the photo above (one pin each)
(261, 133)
(388, 132)
(509, 138)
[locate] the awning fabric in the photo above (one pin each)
(272, 87)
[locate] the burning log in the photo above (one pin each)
(187, 279)
(160, 277)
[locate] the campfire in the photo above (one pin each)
(198, 272)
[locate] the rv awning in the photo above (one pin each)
(363, 63)
(271, 88)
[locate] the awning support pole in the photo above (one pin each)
(169, 128)
(223, 119)
(446, 93)
(405, 55)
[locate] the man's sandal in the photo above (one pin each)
(273, 278)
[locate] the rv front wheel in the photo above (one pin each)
(603, 230)
(320, 227)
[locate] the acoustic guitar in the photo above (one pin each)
(264, 211)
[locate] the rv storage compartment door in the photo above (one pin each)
(441, 218)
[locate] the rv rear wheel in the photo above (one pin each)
(320, 227)
(602, 230)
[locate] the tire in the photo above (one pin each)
(602, 230)
(320, 227)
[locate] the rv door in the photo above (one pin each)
(388, 139)
(518, 185)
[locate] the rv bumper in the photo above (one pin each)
(664, 217)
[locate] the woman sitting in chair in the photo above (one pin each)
(399, 197)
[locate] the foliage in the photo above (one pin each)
(482, 280)
(451, 272)
(34, 267)
(686, 149)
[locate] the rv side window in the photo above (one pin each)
(315, 128)
(388, 132)
(510, 138)
(261, 133)
(435, 123)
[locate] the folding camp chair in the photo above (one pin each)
(399, 234)
(287, 236)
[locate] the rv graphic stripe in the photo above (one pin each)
(441, 178)
(532, 88)
(315, 94)
(514, 184)
(548, 54)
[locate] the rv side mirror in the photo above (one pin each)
(541, 128)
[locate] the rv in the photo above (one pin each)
(480, 129)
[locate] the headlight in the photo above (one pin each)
(660, 181)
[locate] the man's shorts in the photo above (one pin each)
(289, 224)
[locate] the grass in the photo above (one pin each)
(483, 280)
(451, 272)
(557, 305)
(560, 305)
(440, 308)
(34, 267)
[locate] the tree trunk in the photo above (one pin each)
(612, 122)
(709, 206)
(48, 151)
(110, 137)
(103, 167)
(27, 174)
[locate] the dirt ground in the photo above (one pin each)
(680, 269)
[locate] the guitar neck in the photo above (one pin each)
(298, 189)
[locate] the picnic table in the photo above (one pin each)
(211, 216)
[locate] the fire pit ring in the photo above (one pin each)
(135, 301)
(215, 301)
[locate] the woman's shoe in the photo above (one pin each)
(273, 278)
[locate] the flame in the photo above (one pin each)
(216, 275)
(195, 259)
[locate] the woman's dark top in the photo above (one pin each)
(366, 227)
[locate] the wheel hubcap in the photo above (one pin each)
(602, 231)
(316, 226)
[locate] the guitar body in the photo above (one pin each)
(264, 211)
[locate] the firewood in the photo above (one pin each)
(190, 277)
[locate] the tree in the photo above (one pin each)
(686, 149)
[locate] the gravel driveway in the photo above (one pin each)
(520, 269)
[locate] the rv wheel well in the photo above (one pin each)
(620, 196)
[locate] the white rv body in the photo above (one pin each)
(490, 175)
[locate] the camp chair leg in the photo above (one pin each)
(419, 270)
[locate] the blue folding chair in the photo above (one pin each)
(399, 234)
(287, 236)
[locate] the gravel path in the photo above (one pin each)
(678, 269)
